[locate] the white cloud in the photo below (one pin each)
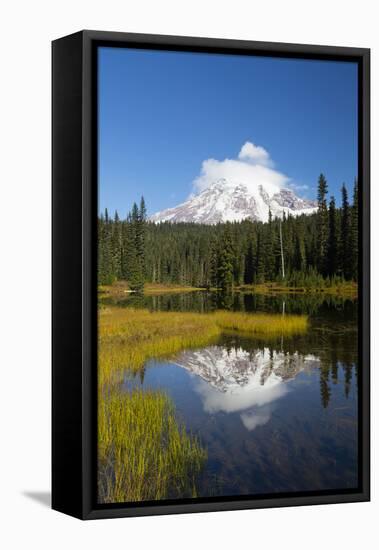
(253, 167)
(254, 154)
(254, 418)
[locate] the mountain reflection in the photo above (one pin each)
(249, 382)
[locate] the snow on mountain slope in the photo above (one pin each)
(230, 200)
(229, 370)
(248, 382)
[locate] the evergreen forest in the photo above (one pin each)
(305, 251)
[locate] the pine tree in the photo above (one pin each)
(277, 250)
(346, 253)
(333, 239)
(300, 260)
(116, 247)
(133, 268)
(260, 261)
(269, 257)
(322, 225)
(225, 263)
(140, 234)
(124, 240)
(249, 264)
(100, 251)
(355, 233)
(213, 263)
(105, 268)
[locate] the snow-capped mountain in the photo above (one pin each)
(228, 370)
(249, 383)
(228, 200)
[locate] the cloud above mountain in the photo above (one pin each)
(254, 154)
(253, 166)
(234, 189)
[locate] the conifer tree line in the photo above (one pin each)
(121, 248)
(307, 250)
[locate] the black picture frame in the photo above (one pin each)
(74, 295)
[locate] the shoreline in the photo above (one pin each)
(121, 289)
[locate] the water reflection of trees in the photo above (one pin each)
(203, 301)
(332, 337)
(336, 349)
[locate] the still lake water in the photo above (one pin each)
(276, 415)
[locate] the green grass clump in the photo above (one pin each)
(144, 452)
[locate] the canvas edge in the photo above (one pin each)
(85, 507)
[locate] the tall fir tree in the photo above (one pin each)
(116, 247)
(269, 257)
(300, 259)
(100, 251)
(345, 251)
(213, 261)
(322, 225)
(355, 232)
(134, 273)
(225, 263)
(333, 239)
(106, 274)
(260, 260)
(249, 264)
(140, 234)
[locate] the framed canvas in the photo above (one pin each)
(210, 275)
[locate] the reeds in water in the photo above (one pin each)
(144, 451)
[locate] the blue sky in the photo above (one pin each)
(162, 114)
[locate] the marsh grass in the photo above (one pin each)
(260, 324)
(145, 452)
(343, 288)
(130, 337)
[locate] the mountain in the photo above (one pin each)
(226, 200)
(247, 382)
(228, 370)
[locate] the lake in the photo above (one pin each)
(275, 416)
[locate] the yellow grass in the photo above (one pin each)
(144, 452)
(130, 337)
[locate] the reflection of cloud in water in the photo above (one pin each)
(252, 419)
(240, 398)
(236, 380)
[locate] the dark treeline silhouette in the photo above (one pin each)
(308, 250)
